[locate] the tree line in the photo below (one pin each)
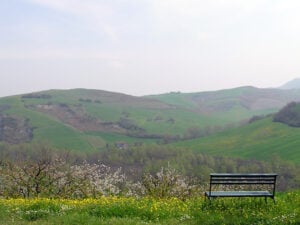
(290, 115)
(39, 170)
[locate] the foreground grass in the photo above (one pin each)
(113, 210)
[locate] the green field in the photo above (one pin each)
(171, 115)
(259, 140)
(128, 210)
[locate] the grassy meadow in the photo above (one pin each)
(259, 140)
(146, 210)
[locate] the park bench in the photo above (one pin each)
(242, 185)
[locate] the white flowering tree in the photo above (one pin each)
(167, 183)
(53, 177)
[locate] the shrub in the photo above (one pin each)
(167, 183)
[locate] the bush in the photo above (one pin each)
(167, 183)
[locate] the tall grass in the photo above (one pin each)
(125, 210)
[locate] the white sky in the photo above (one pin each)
(143, 47)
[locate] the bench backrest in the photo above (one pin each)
(243, 179)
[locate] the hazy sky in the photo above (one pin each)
(147, 46)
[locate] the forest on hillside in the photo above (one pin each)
(290, 115)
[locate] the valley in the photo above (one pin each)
(91, 120)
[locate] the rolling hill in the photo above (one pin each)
(90, 120)
(262, 139)
(293, 84)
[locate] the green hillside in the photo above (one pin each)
(259, 140)
(70, 125)
(238, 103)
(90, 120)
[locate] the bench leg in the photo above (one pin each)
(206, 197)
(272, 198)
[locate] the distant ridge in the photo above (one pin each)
(293, 84)
(93, 120)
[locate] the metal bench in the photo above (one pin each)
(242, 185)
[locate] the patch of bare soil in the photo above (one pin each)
(15, 130)
(76, 117)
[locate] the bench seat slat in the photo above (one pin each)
(238, 194)
(242, 178)
(243, 174)
(241, 183)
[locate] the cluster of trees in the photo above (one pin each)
(43, 172)
(31, 171)
(54, 177)
(87, 100)
(137, 160)
(129, 125)
(196, 132)
(46, 173)
(290, 115)
(37, 95)
(190, 133)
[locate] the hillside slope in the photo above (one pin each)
(238, 103)
(77, 119)
(261, 139)
(293, 84)
(89, 120)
